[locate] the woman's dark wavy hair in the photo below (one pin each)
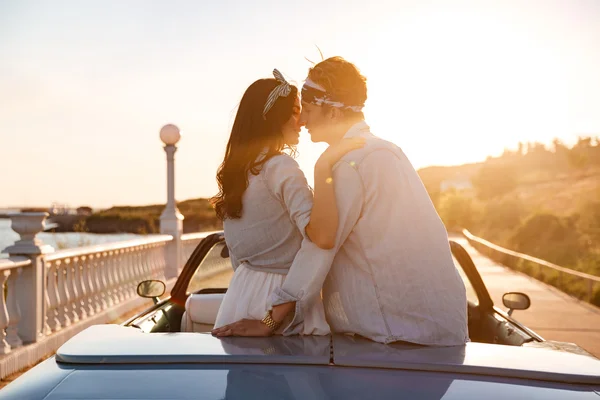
(250, 134)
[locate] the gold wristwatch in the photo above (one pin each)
(270, 322)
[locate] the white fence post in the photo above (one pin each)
(31, 286)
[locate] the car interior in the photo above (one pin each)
(193, 307)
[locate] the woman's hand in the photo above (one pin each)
(335, 152)
(245, 327)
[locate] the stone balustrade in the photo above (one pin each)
(87, 280)
(51, 295)
(75, 284)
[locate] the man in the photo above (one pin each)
(390, 274)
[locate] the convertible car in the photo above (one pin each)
(166, 352)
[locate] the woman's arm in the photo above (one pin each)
(322, 227)
(323, 224)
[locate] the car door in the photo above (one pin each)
(210, 254)
(487, 323)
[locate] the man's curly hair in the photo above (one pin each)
(342, 80)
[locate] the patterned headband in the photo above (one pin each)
(282, 90)
(314, 93)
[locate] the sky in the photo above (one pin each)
(85, 86)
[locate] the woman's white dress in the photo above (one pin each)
(264, 241)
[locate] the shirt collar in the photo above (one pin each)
(358, 129)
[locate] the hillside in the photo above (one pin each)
(198, 213)
(561, 194)
(540, 201)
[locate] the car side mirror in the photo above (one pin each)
(515, 301)
(151, 289)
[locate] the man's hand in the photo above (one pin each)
(245, 327)
(335, 152)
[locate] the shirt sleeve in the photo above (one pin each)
(287, 183)
(311, 265)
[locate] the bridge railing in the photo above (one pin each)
(85, 281)
(562, 278)
(49, 296)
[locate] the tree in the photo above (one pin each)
(494, 180)
(457, 211)
(550, 237)
(588, 222)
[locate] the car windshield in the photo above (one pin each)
(214, 271)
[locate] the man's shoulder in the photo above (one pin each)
(374, 148)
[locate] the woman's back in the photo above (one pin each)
(275, 211)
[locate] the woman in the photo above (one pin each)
(266, 205)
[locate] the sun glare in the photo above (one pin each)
(454, 90)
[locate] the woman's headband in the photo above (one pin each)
(282, 90)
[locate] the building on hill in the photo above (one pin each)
(458, 182)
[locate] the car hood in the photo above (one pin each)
(114, 344)
(116, 362)
(539, 363)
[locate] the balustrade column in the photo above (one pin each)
(138, 262)
(144, 260)
(153, 253)
(52, 322)
(124, 274)
(87, 282)
(105, 279)
(64, 316)
(133, 272)
(112, 276)
(121, 266)
(130, 273)
(14, 311)
(4, 346)
(96, 276)
(79, 305)
(160, 260)
(31, 294)
(71, 289)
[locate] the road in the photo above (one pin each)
(553, 314)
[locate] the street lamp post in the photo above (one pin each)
(171, 220)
